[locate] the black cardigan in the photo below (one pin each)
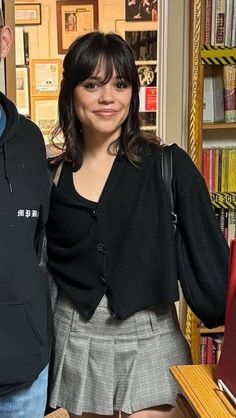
(129, 253)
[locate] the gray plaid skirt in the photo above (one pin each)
(106, 364)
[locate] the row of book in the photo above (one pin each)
(219, 169)
(220, 23)
(227, 222)
(219, 98)
(210, 348)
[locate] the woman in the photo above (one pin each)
(111, 244)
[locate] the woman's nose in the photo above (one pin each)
(106, 94)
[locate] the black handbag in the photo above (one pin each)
(195, 291)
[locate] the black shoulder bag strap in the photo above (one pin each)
(167, 175)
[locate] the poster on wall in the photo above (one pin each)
(75, 18)
(147, 74)
(22, 90)
(148, 99)
(141, 10)
(45, 76)
(44, 113)
(143, 43)
(148, 119)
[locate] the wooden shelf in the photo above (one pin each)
(219, 125)
(198, 385)
(217, 330)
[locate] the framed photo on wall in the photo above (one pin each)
(22, 90)
(44, 112)
(143, 44)
(45, 77)
(75, 18)
(28, 14)
(141, 10)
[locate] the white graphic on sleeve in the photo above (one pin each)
(28, 213)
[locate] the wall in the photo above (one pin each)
(172, 55)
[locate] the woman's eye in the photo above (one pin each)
(91, 86)
(121, 85)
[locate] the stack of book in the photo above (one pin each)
(220, 23)
(210, 348)
(227, 221)
(219, 169)
(219, 101)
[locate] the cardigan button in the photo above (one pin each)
(87, 313)
(100, 246)
(102, 280)
(94, 213)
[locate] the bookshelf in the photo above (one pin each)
(201, 132)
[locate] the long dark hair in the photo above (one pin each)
(80, 62)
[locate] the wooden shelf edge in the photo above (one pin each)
(222, 125)
(217, 330)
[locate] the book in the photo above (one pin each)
(233, 41)
(224, 170)
(208, 11)
(218, 93)
(203, 342)
(209, 349)
(219, 22)
(232, 170)
(218, 343)
(229, 79)
(217, 152)
(231, 225)
(228, 22)
(205, 165)
(208, 101)
(213, 22)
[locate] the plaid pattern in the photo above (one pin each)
(106, 364)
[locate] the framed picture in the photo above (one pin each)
(148, 119)
(147, 74)
(45, 77)
(141, 10)
(143, 44)
(44, 112)
(19, 45)
(22, 90)
(75, 18)
(28, 14)
(148, 99)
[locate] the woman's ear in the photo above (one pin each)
(6, 38)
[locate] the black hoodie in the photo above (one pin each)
(24, 298)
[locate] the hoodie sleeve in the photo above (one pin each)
(42, 185)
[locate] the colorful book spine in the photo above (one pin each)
(234, 26)
(208, 12)
(224, 170)
(231, 225)
(220, 22)
(203, 341)
(232, 170)
(229, 79)
(228, 22)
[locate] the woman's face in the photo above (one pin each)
(102, 108)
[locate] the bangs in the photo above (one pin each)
(109, 66)
(102, 54)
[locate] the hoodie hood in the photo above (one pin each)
(12, 120)
(12, 116)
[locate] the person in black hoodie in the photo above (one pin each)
(24, 295)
